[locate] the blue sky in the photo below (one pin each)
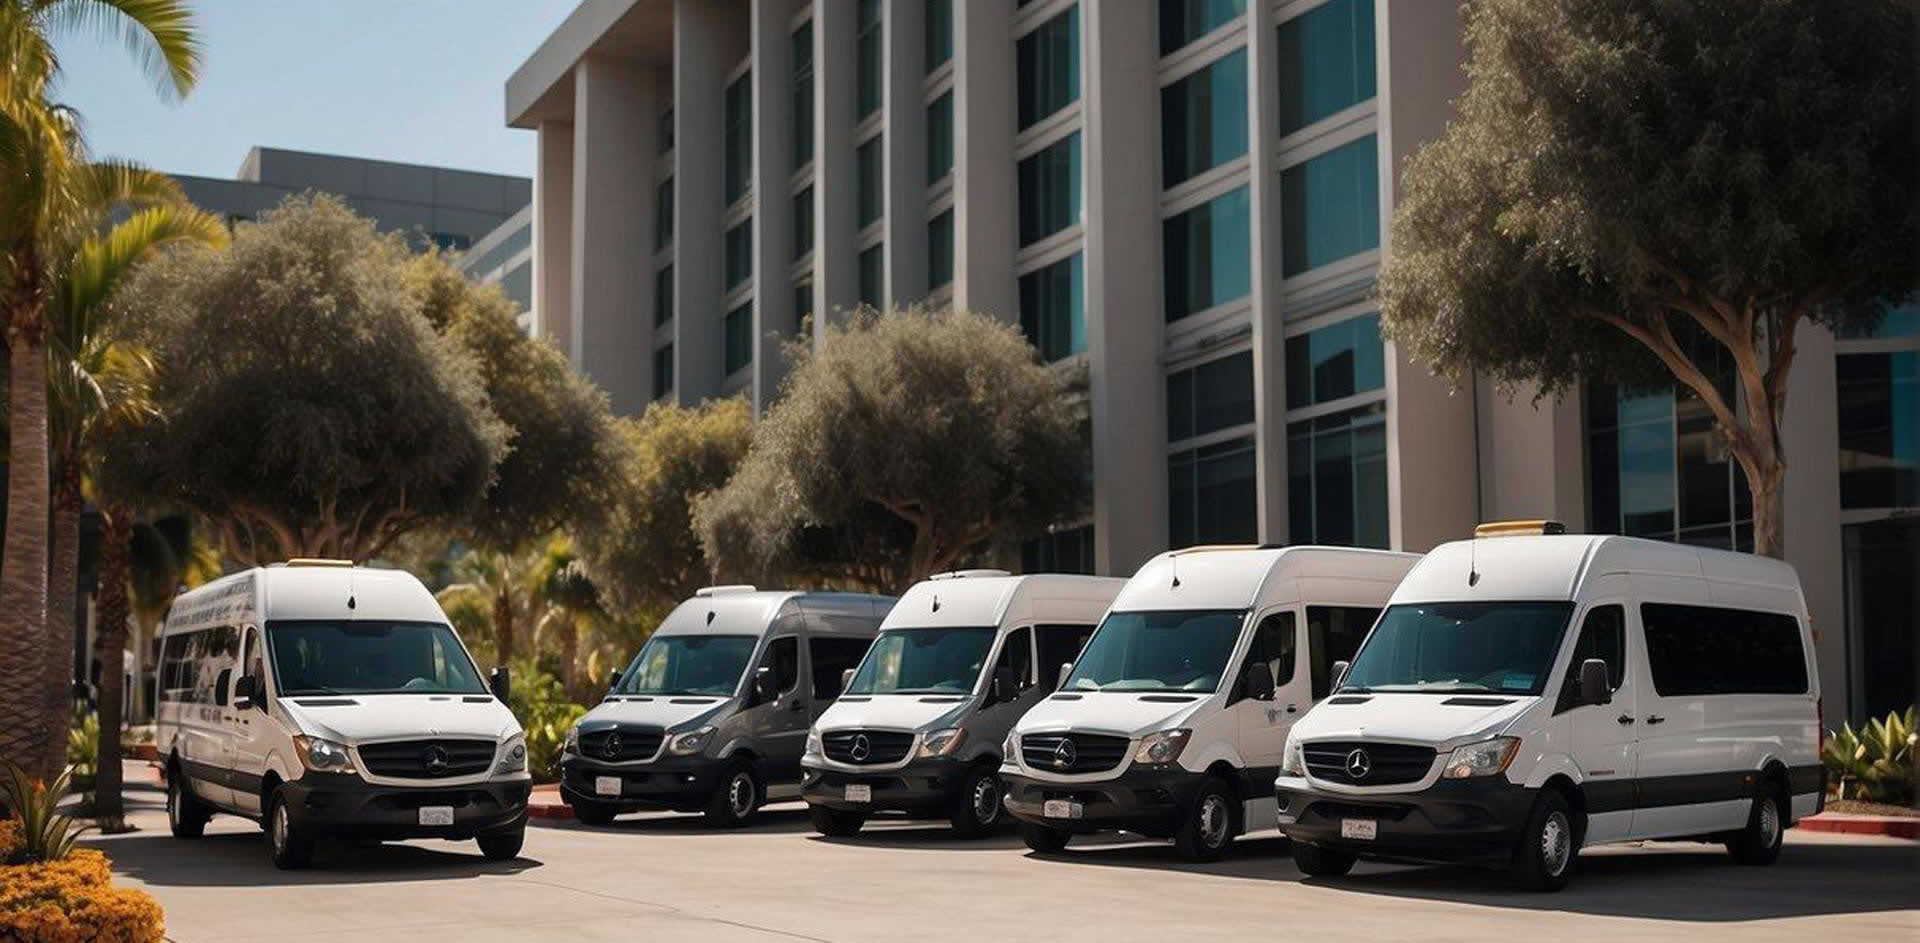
(419, 81)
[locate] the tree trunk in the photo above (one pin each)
(57, 680)
(23, 561)
(569, 652)
(503, 622)
(1768, 482)
(113, 613)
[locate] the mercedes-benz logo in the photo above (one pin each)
(1064, 754)
(435, 758)
(611, 748)
(861, 748)
(1359, 764)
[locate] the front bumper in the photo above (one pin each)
(671, 782)
(922, 787)
(1147, 800)
(1452, 820)
(348, 806)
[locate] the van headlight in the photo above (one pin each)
(813, 743)
(691, 742)
(1294, 761)
(513, 756)
(942, 742)
(1485, 758)
(1010, 748)
(323, 756)
(571, 746)
(1163, 747)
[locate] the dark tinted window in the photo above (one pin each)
(366, 656)
(1334, 633)
(1274, 642)
(1047, 61)
(1215, 395)
(1603, 635)
(1183, 21)
(1060, 645)
(783, 656)
(832, 657)
(1695, 650)
(1461, 648)
(1016, 655)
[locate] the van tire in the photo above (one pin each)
(1549, 845)
(504, 845)
(1045, 839)
(290, 845)
(186, 815)
(979, 792)
(1320, 861)
(1208, 828)
(1759, 842)
(737, 795)
(835, 823)
(588, 812)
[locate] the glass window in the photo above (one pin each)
(688, 664)
(1016, 656)
(1052, 309)
(1461, 648)
(803, 95)
(873, 276)
(1182, 650)
(1211, 495)
(939, 33)
(924, 661)
(783, 658)
(663, 215)
(1275, 644)
(1337, 478)
(1326, 62)
(1329, 207)
(870, 169)
(663, 296)
(940, 250)
(1203, 119)
(831, 657)
(1603, 635)
(1703, 650)
(1047, 61)
(1879, 397)
(802, 300)
(1657, 468)
(1059, 645)
(1050, 190)
(366, 656)
(256, 665)
(663, 372)
(939, 138)
(1334, 633)
(1068, 551)
(737, 157)
(1903, 321)
(869, 54)
(1183, 21)
(1880, 558)
(1335, 361)
(739, 338)
(803, 222)
(1215, 395)
(1208, 259)
(739, 254)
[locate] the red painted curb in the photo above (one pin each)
(1890, 826)
(545, 803)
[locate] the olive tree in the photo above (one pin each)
(1634, 189)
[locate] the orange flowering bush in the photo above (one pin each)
(72, 899)
(12, 841)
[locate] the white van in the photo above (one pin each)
(1172, 721)
(712, 714)
(320, 698)
(959, 659)
(1524, 696)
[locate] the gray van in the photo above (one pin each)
(712, 715)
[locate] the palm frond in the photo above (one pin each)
(102, 262)
(159, 33)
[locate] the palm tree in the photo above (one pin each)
(506, 586)
(573, 607)
(53, 198)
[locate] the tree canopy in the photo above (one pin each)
(1634, 188)
(908, 442)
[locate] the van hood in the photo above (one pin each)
(1131, 713)
(1443, 720)
(894, 712)
(667, 713)
(360, 718)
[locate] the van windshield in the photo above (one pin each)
(1182, 650)
(364, 656)
(1463, 647)
(689, 664)
(923, 661)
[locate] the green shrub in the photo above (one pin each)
(1875, 762)
(44, 834)
(540, 703)
(83, 749)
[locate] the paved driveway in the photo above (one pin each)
(665, 878)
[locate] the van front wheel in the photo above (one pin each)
(1320, 861)
(503, 846)
(1044, 839)
(186, 817)
(588, 812)
(976, 809)
(737, 797)
(1208, 830)
(834, 822)
(1543, 859)
(291, 845)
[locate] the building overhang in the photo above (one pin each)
(542, 88)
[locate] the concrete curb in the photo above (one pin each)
(1888, 825)
(546, 803)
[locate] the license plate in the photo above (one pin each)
(1364, 829)
(606, 785)
(1062, 809)
(859, 792)
(436, 815)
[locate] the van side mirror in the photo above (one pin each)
(763, 690)
(846, 680)
(1066, 669)
(1594, 688)
(1339, 674)
(613, 679)
(243, 692)
(1005, 685)
(500, 682)
(220, 685)
(1258, 685)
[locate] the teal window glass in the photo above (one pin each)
(1879, 429)
(1657, 468)
(1203, 119)
(802, 300)
(1183, 21)
(940, 250)
(803, 95)
(869, 55)
(1050, 190)
(939, 138)
(739, 338)
(1067, 551)
(663, 215)
(737, 153)
(1053, 309)
(1329, 207)
(1211, 496)
(663, 296)
(1337, 478)
(1326, 62)
(870, 173)
(1047, 68)
(1903, 321)
(1208, 259)
(1213, 396)
(873, 276)
(663, 372)
(1335, 361)
(739, 254)
(939, 33)
(803, 222)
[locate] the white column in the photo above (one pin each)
(707, 43)
(553, 236)
(904, 102)
(984, 207)
(773, 311)
(1810, 436)
(836, 256)
(1532, 457)
(611, 327)
(1269, 312)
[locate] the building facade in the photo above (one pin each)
(1189, 196)
(504, 257)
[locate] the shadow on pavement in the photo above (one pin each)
(890, 832)
(239, 859)
(777, 820)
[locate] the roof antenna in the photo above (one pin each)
(350, 593)
(1473, 561)
(936, 602)
(709, 616)
(1174, 562)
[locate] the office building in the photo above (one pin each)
(504, 257)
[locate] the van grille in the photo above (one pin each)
(1380, 764)
(427, 759)
(621, 744)
(1073, 752)
(882, 747)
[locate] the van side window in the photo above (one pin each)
(256, 662)
(1334, 633)
(1704, 650)
(1274, 645)
(173, 685)
(1059, 645)
(1016, 655)
(1603, 635)
(831, 657)
(783, 656)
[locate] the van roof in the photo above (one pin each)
(280, 593)
(1249, 577)
(985, 597)
(742, 611)
(1557, 567)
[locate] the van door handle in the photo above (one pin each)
(1293, 708)
(1656, 719)
(1625, 718)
